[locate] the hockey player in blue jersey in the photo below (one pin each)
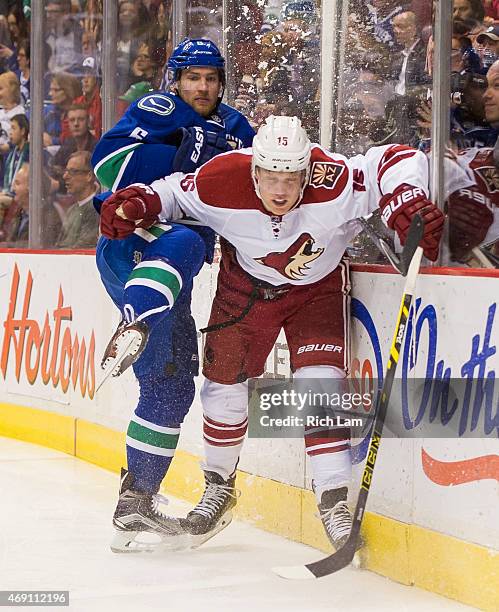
(149, 275)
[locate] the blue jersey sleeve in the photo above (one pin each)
(135, 149)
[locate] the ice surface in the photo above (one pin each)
(56, 514)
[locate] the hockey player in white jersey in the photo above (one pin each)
(286, 211)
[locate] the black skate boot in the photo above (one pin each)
(336, 517)
(125, 347)
(213, 512)
(140, 526)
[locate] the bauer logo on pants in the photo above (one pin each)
(307, 348)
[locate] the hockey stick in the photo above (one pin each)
(379, 240)
(344, 556)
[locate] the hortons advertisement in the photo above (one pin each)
(56, 320)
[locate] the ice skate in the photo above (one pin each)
(140, 526)
(214, 511)
(125, 347)
(337, 518)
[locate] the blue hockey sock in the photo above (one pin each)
(150, 292)
(150, 449)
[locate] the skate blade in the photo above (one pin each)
(147, 542)
(127, 346)
(197, 540)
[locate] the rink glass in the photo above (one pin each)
(337, 66)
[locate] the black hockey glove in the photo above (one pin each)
(195, 147)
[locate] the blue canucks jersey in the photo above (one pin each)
(121, 158)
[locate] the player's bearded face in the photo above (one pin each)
(200, 87)
(279, 191)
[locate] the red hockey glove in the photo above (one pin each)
(398, 209)
(135, 206)
(470, 216)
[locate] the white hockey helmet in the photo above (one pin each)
(281, 145)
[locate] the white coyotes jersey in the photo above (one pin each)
(479, 165)
(306, 244)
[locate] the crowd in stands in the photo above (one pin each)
(384, 89)
(72, 111)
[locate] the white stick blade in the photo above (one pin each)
(296, 572)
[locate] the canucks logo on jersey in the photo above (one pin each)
(156, 103)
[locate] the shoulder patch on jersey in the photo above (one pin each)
(157, 103)
(225, 182)
(490, 176)
(325, 174)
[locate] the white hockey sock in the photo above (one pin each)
(328, 450)
(331, 471)
(225, 421)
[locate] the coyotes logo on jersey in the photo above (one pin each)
(325, 174)
(490, 176)
(293, 262)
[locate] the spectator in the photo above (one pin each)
(10, 105)
(63, 35)
(64, 88)
(408, 65)
(135, 91)
(257, 98)
(80, 139)
(91, 37)
(160, 35)
(18, 30)
(19, 154)
(491, 96)
(132, 20)
(15, 227)
(80, 227)
(23, 71)
(488, 46)
(491, 9)
(471, 14)
(91, 98)
(468, 11)
(143, 66)
(381, 14)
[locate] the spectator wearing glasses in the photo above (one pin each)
(80, 227)
(64, 88)
(143, 66)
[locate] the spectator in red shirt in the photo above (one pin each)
(90, 84)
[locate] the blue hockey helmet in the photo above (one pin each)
(194, 52)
